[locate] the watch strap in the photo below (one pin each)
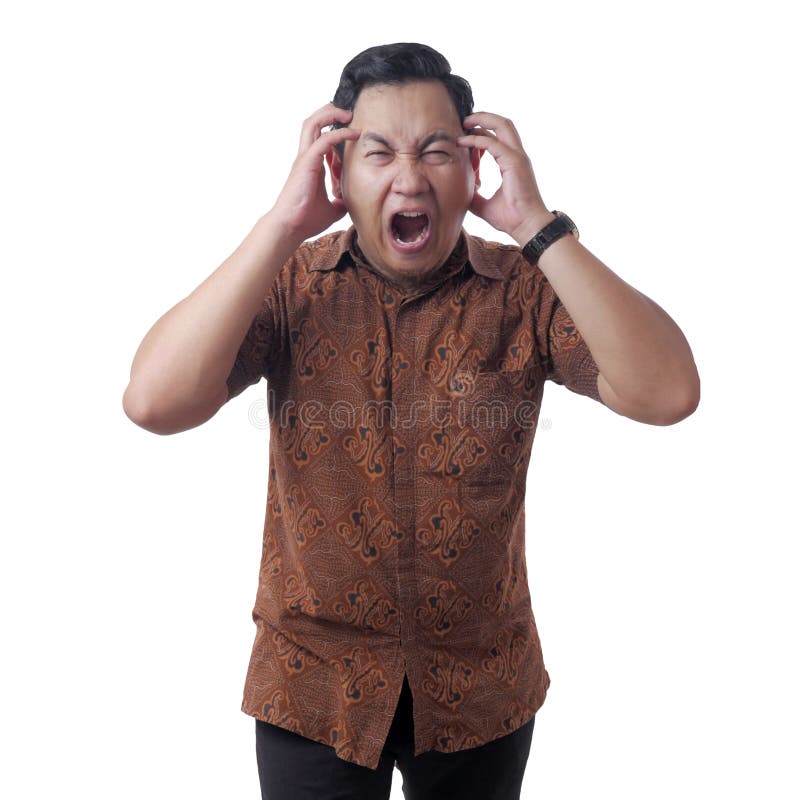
(552, 232)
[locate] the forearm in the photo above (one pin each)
(639, 350)
(179, 371)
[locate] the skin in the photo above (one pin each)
(391, 167)
(647, 371)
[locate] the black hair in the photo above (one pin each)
(402, 62)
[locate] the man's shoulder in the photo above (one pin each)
(326, 240)
(490, 246)
(326, 251)
(503, 256)
(313, 255)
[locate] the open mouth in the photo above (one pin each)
(410, 227)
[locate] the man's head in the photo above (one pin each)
(409, 109)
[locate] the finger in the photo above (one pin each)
(325, 115)
(328, 140)
(339, 206)
(484, 141)
(322, 117)
(502, 125)
(480, 132)
(478, 205)
(487, 120)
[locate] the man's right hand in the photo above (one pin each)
(178, 375)
(303, 208)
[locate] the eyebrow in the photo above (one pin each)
(436, 136)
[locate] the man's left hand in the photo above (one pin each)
(516, 208)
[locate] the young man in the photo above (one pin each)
(405, 363)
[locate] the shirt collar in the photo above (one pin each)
(346, 245)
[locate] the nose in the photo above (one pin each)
(410, 177)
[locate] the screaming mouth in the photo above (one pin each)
(409, 227)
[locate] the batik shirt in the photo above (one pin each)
(400, 431)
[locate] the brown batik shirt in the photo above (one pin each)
(401, 425)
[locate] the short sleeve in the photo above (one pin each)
(256, 351)
(565, 354)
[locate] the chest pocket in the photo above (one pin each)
(490, 427)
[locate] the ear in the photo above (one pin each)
(475, 161)
(335, 166)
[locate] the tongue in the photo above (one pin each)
(409, 228)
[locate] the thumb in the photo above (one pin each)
(478, 205)
(339, 207)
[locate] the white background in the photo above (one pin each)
(140, 144)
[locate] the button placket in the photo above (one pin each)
(404, 393)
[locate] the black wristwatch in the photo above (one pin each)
(560, 226)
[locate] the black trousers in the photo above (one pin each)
(291, 767)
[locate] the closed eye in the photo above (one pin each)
(437, 156)
(431, 156)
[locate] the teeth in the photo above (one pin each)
(413, 241)
(411, 213)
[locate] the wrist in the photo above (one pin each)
(531, 225)
(288, 234)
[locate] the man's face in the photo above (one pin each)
(406, 160)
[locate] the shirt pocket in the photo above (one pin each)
(488, 426)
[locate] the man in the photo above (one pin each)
(405, 363)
